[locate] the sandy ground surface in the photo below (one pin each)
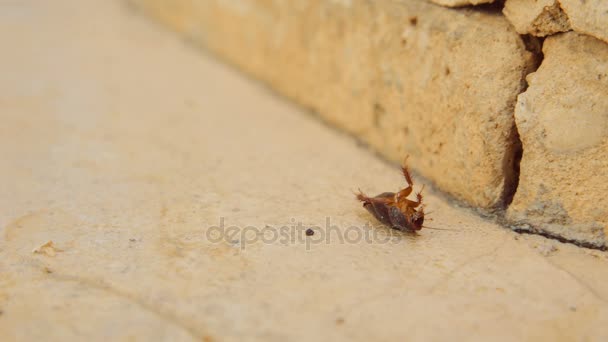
(124, 146)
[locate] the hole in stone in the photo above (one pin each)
(379, 112)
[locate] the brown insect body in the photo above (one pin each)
(394, 209)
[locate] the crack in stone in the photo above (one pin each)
(583, 284)
(535, 231)
(101, 286)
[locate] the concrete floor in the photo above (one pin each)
(123, 146)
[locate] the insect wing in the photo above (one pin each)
(380, 210)
(398, 220)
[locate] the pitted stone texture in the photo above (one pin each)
(545, 17)
(409, 78)
(563, 122)
(588, 16)
(539, 18)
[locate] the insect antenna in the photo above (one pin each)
(360, 195)
(433, 228)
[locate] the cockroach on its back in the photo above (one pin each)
(394, 209)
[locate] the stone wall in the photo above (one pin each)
(441, 85)
(563, 122)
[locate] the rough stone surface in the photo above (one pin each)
(545, 17)
(409, 78)
(460, 3)
(536, 17)
(588, 16)
(122, 146)
(563, 122)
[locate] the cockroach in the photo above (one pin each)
(395, 209)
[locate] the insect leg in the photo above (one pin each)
(419, 195)
(413, 204)
(406, 173)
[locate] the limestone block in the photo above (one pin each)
(563, 122)
(409, 78)
(544, 17)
